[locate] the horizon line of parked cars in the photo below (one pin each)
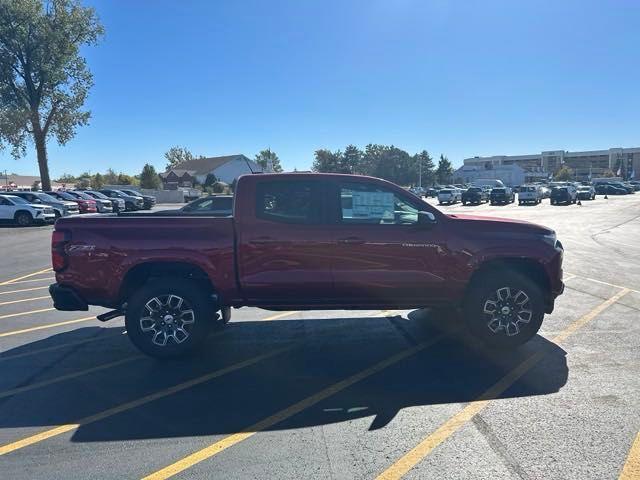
(25, 208)
(559, 193)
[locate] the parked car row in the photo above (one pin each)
(25, 208)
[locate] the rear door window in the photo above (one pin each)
(289, 202)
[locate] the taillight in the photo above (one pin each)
(59, 240)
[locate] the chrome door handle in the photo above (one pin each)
(351, 241)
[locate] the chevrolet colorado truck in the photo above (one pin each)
(306, 241)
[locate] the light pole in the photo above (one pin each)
(419, 172)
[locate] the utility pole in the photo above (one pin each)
(419, 172)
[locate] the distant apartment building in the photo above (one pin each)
(542, 166)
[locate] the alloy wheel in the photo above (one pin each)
(506, 311)
(167, 319)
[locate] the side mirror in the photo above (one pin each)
(36, 200)
(426, 219)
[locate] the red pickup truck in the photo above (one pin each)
(306, 241)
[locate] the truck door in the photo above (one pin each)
(381, 255)
(283, 243)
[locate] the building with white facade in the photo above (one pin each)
(584, 164)
(226, 169)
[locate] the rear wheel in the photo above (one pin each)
(504, 309)
(24, 219)
(169, 317)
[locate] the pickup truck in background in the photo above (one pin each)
(306, 241)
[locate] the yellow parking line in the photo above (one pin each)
(2, 317)
(280, 315)
(23, 290)
(60, 346)
(49, 325)
(284, 414)
(451, 426)
(39, 437)
(69, 376)
(631, 469)
(7, 282)
(48, 279)
(25, 300)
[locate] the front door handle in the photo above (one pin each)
(351, 240)
(262, 241)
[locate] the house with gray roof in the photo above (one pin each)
(226, 169)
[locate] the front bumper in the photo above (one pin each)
(66, 298)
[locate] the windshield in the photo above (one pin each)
(15, 199)
(95, 194)
(45, 197)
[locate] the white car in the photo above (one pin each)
(17, 210)
(449, 196)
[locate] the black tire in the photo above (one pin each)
(225, 315)
(507, 328)
(156, 302)
(24, 219)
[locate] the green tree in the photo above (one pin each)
(563, 174)
(424, 163)
(351, 161)
(111, 177)
(218, 187)
(124, 179)
(149, 177)
(268, 156)
(444, 172)
(66, 179)
(177, 155)
(608, 173)
(97, 182)
(44, 81)
(327, 161)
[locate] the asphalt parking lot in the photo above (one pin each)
(334, 394)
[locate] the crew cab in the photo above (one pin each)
(303, 242)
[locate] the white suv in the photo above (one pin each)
(17, 210)
(529, 194)
(448, 195)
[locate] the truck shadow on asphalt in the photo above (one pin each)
(323, 352)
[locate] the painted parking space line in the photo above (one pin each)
(573, 275)
(44, 327)
(234, 439)
(23, 290)
(47, 279)
(60, 346)
(69, 376)
(11, 315)
(279, 315)
(29, 275)
(59, 430)
(631, 468)
(399, 468)
(34, 299)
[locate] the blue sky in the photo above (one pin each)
(461, 78)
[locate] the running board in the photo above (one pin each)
(110, 315)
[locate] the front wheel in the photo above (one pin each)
(24, 219)
(169, 317)
(504, 310)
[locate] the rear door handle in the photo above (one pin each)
(352, 240)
